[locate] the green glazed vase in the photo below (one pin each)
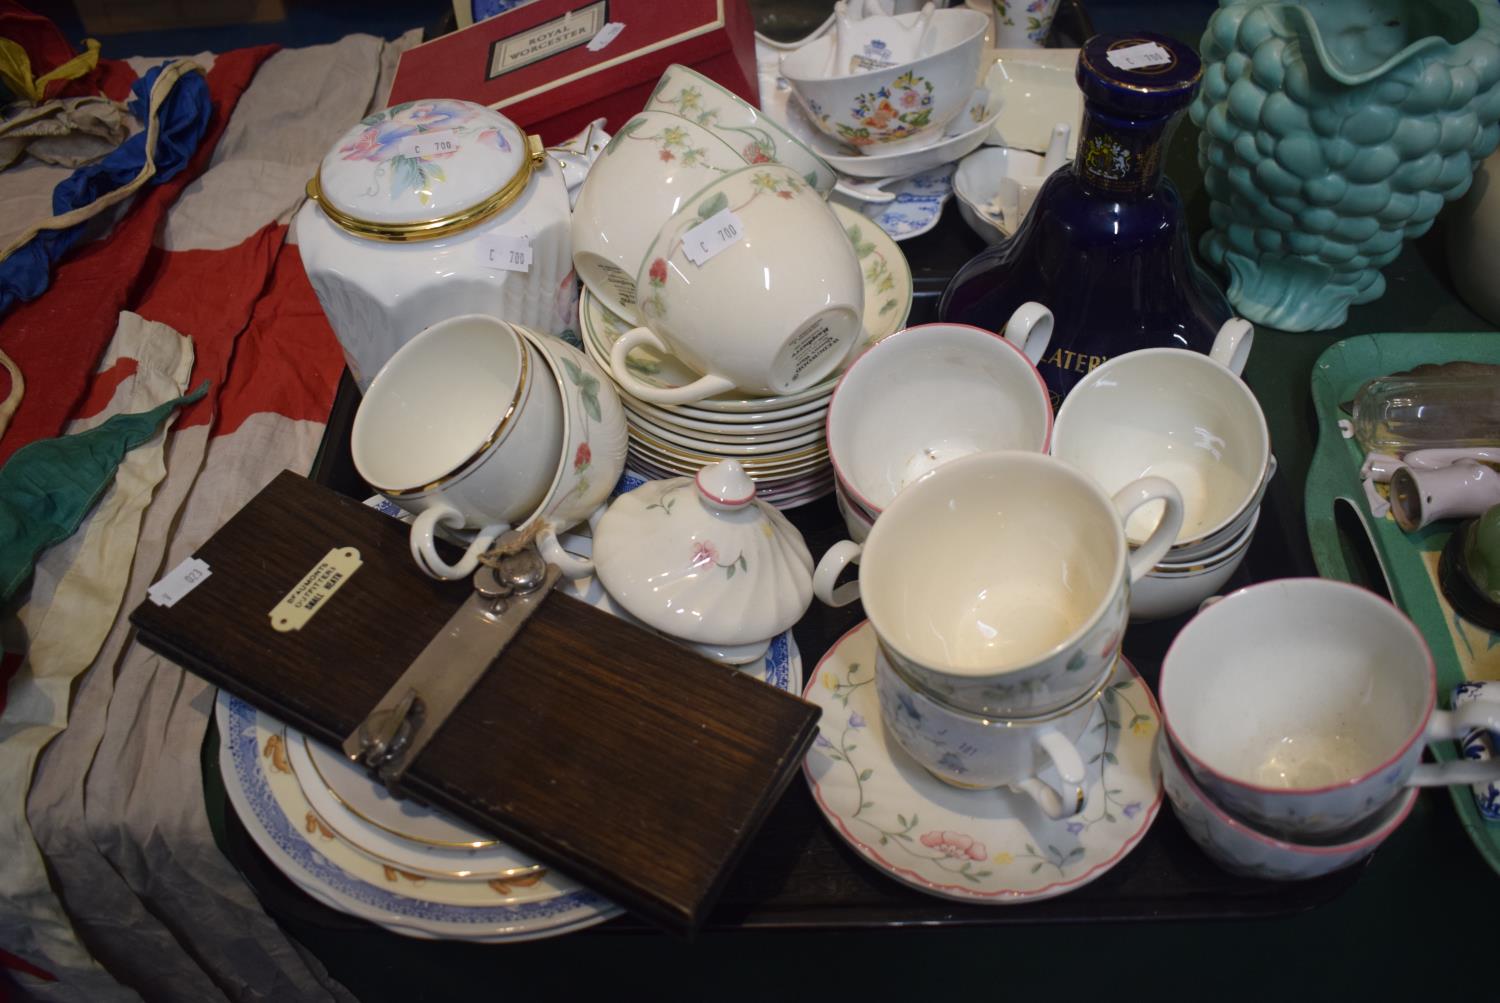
(1332, 131)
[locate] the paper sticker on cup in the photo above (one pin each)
(315, 589)
(506, 252)
(720, 231)
(428, 144)
(1137, 57)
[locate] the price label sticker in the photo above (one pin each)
(178, 582)
(506, 252)
(428, 144)
(713, 236)
(1137, 57)
(605, 35)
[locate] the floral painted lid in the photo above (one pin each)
(702, 559)
(424, 169)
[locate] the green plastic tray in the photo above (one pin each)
(1333, 479)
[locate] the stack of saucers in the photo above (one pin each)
(778, 440)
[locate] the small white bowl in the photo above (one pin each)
(1241, 849)
(977, 183)
(1163, 592)
(907, 104)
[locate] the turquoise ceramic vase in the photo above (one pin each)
(1333, 130)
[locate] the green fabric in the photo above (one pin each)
(49, 486)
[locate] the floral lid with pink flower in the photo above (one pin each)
(423, 169)
(702, 559)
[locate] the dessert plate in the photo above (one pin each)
(269, 802)
(888, 294)
(980, 846)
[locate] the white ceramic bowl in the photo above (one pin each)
(976, 182)
(1242, 849)
(1164, 592)
(652, 165)
(908, 104)
(1176, 414)
(927, 395)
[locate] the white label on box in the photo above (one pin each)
(428, 144)
(506, 252)
(607, 34)
(720, 231)
(178, 582)
(1135, 57)
(575, 27)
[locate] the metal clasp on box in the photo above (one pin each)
(396, 731)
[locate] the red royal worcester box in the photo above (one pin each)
(553, 66)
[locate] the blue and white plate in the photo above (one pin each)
(918, 204)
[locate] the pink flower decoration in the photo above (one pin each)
(784, 195)
(954, 844)
(704, 553)
(658, 272)
(362, 148)
(755, 153)
(667, 155)
(909, 98)
(582, 457)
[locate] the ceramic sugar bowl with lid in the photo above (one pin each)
(429, 210)
(703, 560)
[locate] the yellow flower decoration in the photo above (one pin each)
(764, 182)
(830, 683)
(1142, 726)
(1003, 858)
(673, 136)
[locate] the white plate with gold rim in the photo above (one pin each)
(279, 819)
(714, 432)
(727, 445)
(818, 405)
(888, 297)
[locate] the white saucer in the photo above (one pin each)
(963, 136)
(918, 204)
(977, 846)
(278, 817)
(1032, 90)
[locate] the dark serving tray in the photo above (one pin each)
(798, 873)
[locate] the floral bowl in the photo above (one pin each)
(1242, 849)
(904, 106)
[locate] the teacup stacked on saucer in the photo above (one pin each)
(1294, 717)
(1189, 418)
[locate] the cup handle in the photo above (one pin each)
(1455, 724)
(424, 550)
(1140, 492)
(830, 566)
(704, 386)
(1231, 348)
(552, 552)
(1030, 330)
(1069, 763)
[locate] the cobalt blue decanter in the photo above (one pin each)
(1105, 246)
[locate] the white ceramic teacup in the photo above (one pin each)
(464, 423)
(1303, 705)
(978, 752)
(1243, 849)
(653, 164)
(1177, 414)
(774, 311)
(428, 408)
(934, 392)
(999, 581)
(758, 137)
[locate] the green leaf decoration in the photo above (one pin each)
(1108, 817)
(867, 804)
(575, 372)
(731, 571)
(590, 397)
(888, 307)
(1077, 851)
(406, 175)
(743, 565)
(714, 204)
(883, 841)
(1031, 849)
(853, 747)
(900, 819)
(1035, 868)
(1109, 757)
(432, 172)
(811, 179)
(865, 774)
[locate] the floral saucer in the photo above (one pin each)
(980, 846)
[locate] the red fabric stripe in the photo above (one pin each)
(288, 360)
(103, 386)
(15, 964)
(57, 339)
